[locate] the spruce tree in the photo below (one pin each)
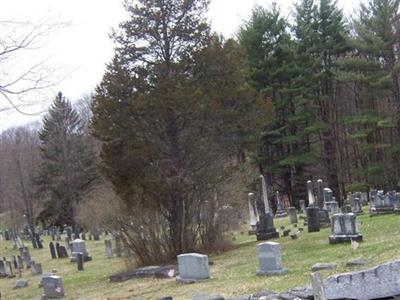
(68, 167)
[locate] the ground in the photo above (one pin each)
(233, 272)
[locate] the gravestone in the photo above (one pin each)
(265, 228)
(382, 204)
(79, 246)
(6, 235)
(118, 246)
(38, 241)
(14, 261)
(334, 206)
(192, 267)
(396, 203)
(68, 229)
(270, 259)
(320, 193)
(313, 224)
(317, 285)
(302, 204)
(52, 251)
(108, 248)
(253, 213)
(344, 229)
(3, 269)
(21, 283)
(328, 198)
(36, 269)
(280, 208)
(79, 260)
(67, 241)
(357, 207)
(20, 262)
(52, 286)
(63, 251)
(292, 215)
(83, 236)
(26, 256)
(59, 255)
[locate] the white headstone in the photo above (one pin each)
(270, 259)
(193, 267)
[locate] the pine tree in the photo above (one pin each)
(68, 167)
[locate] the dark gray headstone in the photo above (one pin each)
(313, 219)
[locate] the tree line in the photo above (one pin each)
(183, 120)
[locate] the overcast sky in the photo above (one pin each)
(80, 50)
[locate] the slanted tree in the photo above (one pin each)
(173, 112)
(68, 165)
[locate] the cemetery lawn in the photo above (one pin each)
(233, 272)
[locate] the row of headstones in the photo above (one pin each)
(109, 248)
(194, 267)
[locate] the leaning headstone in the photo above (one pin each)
(270, 259)
(52, 286)
(192, 267)
(292, 215)
(108, 248)
(59, 255)
(79, 246)
(64, 252)
(344, 229)
(52, 251)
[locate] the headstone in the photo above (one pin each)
(52, 251)
(6, 235)
(292, 215)
(270, 259)
(320, 189)
(396, 203)
(310, 192)
(334, 207)
(280, 208)
(328, 199)
(302, 204)
(52, 286)
(38, 241)
(253, 213)
(381, 203)
(79, 260)
(118, 246)
(3, 269)
(36, 269)
(68, 229)
(83, 236)
(20, 262)
(59, 255)
(192, 267)
(15, 263)
(313, 219)
(79, 246)
(264, 195)
(344, 229)
(318, 287)
(108, 248)
(357, 207)
(10, 269)
(26, 256)
(67, 241)
(64, 252)
(265, 228)
(21, 283)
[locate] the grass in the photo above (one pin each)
(233, 273)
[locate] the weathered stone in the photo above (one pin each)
(320, 189)
(253, 213)
(313, 219)
(344, 229)
(150, 271)
(270, 259)
(52, 286)
(378, 282)
(108, 248)
(323, 266)
(266, 229)
(36, 269)
(302, 205)
(334, 207)
(318, 286)
(356, 262)
(192, 267)
(292, 215)
(21, 283)
(280, 208)
(79, 246)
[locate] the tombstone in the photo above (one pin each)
(76, 236)
(280, 208)
(364, 198)
(52, 286)
(67, 241)
(313, 219)
(118, 246)
(264, 195)
(192, 267)
(396, 203)
(334, 207)
(90, 236)
(382, 204)
(38, 241)
(357, 207)
(328, 198)
(26, 256)
(96, 235)
(20, 262)
(53, 234)
(265, 228)
(79, 246)
(14, 261)
(320, 190)
(83, 236)
(292, 215)
(9, 269)
(318, 288)
(58, 235)
(63, 252)
(68, 229)
(52, 251)
(21, 283)
(253, 213)
(6, 235)
(302, 204)
(3, 269)
(59, 254)
(79, 260)
(36, 269)
(270, 259)
(108, 248)
(344, 229)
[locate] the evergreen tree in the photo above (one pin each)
(68, 167)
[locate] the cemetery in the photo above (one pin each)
(356, 257)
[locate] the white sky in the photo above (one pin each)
(81, 50)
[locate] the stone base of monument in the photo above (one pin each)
(375, 211)
(180, 279)
(272, 273)
(336, 239)
(281, 214)
(74, 257)
(263, 236)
